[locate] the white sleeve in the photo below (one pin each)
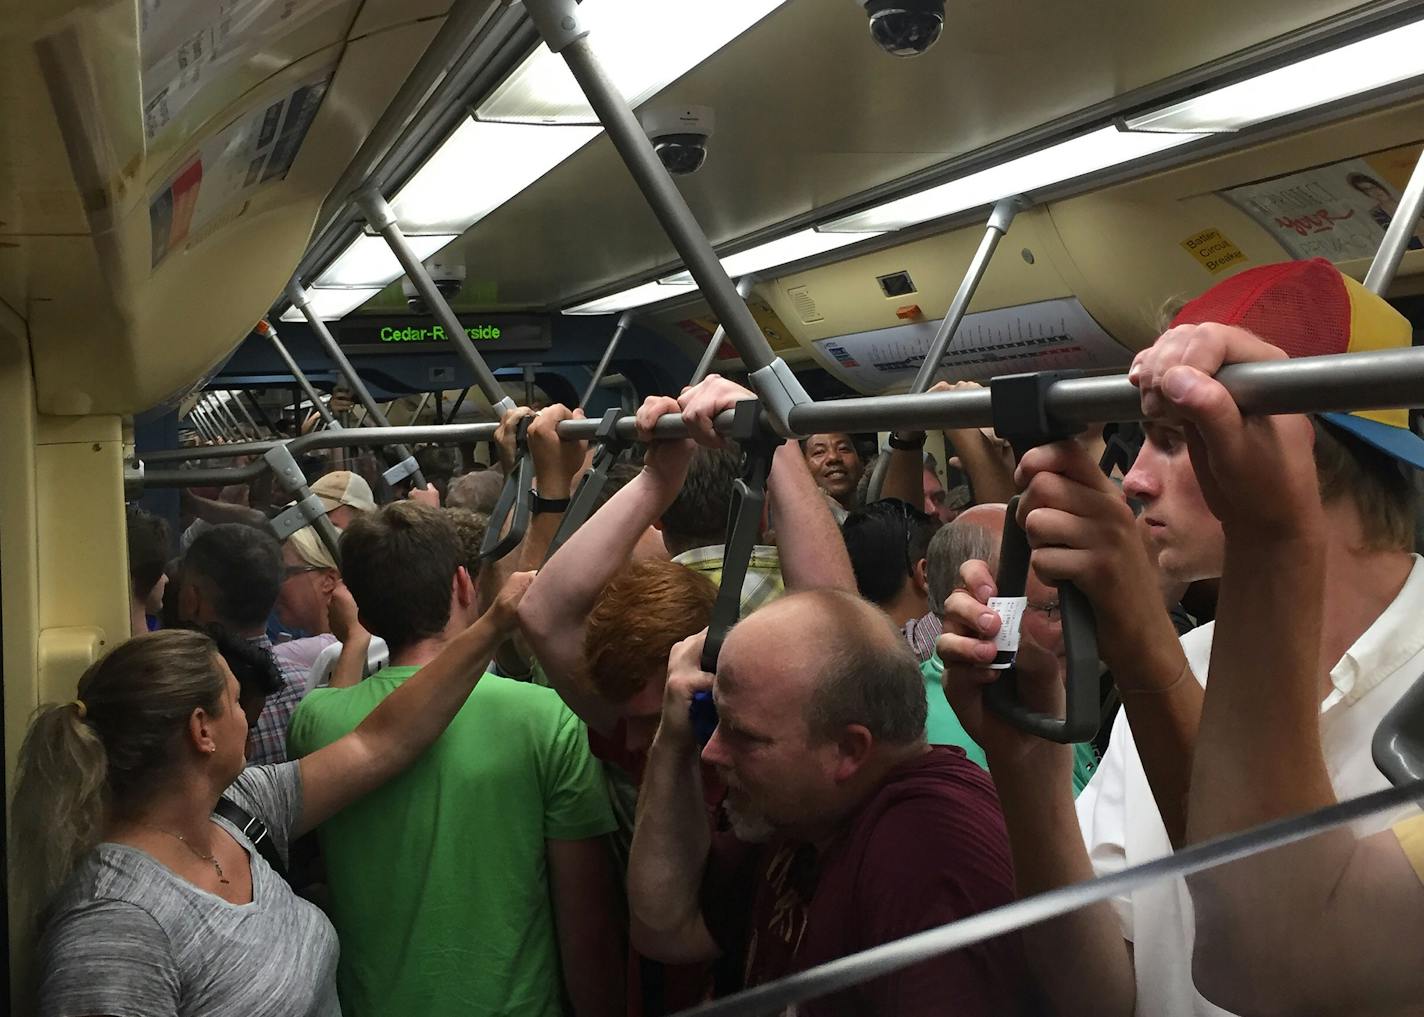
(1102, 813)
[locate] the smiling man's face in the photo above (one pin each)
(835, 465)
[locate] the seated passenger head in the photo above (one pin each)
(835, 464)
(819, 697)
(148, 541)
(309, 576)
(698, 516)
(887, 541)
(975, 535)
(1306, 308)
(646, 609)
(471, 527)
(345, 495)
(160, 711)
(231, 575)
(476, 491)
(254, 667)
(403, 567)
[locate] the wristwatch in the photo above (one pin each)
(901, 444)
(538, 505)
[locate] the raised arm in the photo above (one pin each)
(219, 512)
(671, 841)
(1332, 924)
(813, 555)
(407, 721)
(553, 615)
(342, 615)
(1080, 961)
(556, 463)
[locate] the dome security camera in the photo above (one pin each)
(679, 135)
(448, 275)
(905, 28)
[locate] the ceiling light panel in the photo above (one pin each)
(369, 261)
(806, 244)
(332, 304)
(1101, 149)
(479, 168)
(643, 45)
(648, 293)
(1375, 62)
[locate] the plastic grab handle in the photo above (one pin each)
(513, 499)
(1080, 639)
(591, 485)
(1398, 745)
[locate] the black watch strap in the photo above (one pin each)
(896, 442)
(539, 505)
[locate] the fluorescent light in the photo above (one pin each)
(331, 304)
(369, 261)
(648, 293)
(1371, 63)
(479, 168)
(643, 45)
(805, 244)
(1085, 154)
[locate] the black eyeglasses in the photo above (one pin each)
(296, 570)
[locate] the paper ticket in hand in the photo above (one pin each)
(1010, 611)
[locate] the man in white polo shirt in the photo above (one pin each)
(1136, 956)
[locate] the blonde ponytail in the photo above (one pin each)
(58, 809)
(102, 753)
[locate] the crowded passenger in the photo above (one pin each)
(476, 491)
(1139, 952)
(848, 829)
(147, 902)
(310, 578)
(836, 465)
(231, 574)
(479, 882)
(345, 495)
(148, 557)
(887, 541)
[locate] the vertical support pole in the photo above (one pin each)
(440, 406)
(624, 320)
(999, 222)
(1399, 234)
(299, 300)
(528, 384)
(264, 327)
(704, 366)
(378, 213)
(560, 23)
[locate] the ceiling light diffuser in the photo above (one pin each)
(648, 293)
(1087, 153)
(643, 45)
(332, 304)
(1375, 62)
(805, 244)
(369, 261)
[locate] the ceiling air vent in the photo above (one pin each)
(805, 306)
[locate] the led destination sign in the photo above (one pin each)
(422, 335)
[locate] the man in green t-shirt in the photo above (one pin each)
(479, 881)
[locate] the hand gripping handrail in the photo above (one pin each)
(513, 505)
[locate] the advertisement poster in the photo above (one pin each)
(214, 182)
(778, 336)
(1338, 211)
(186, 46)
(1048, 335)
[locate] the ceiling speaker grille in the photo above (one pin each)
(805, 305)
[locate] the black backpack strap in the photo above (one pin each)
(254, 830)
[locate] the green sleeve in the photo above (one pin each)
(575, 795)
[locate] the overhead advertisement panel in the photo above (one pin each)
(1044, 336)
(1337, 211)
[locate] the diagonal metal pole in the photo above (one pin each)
(563, 29)
(265, 328)
(404, 465)
(235, 398)
(262, 413)
(199, 424)
(1399, 234)
(745, 285)
(999, 222)
(624, 320)
(378, 213)
(224, 411)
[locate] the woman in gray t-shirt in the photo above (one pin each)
(148, 904)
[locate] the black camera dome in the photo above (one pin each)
(905, 27)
